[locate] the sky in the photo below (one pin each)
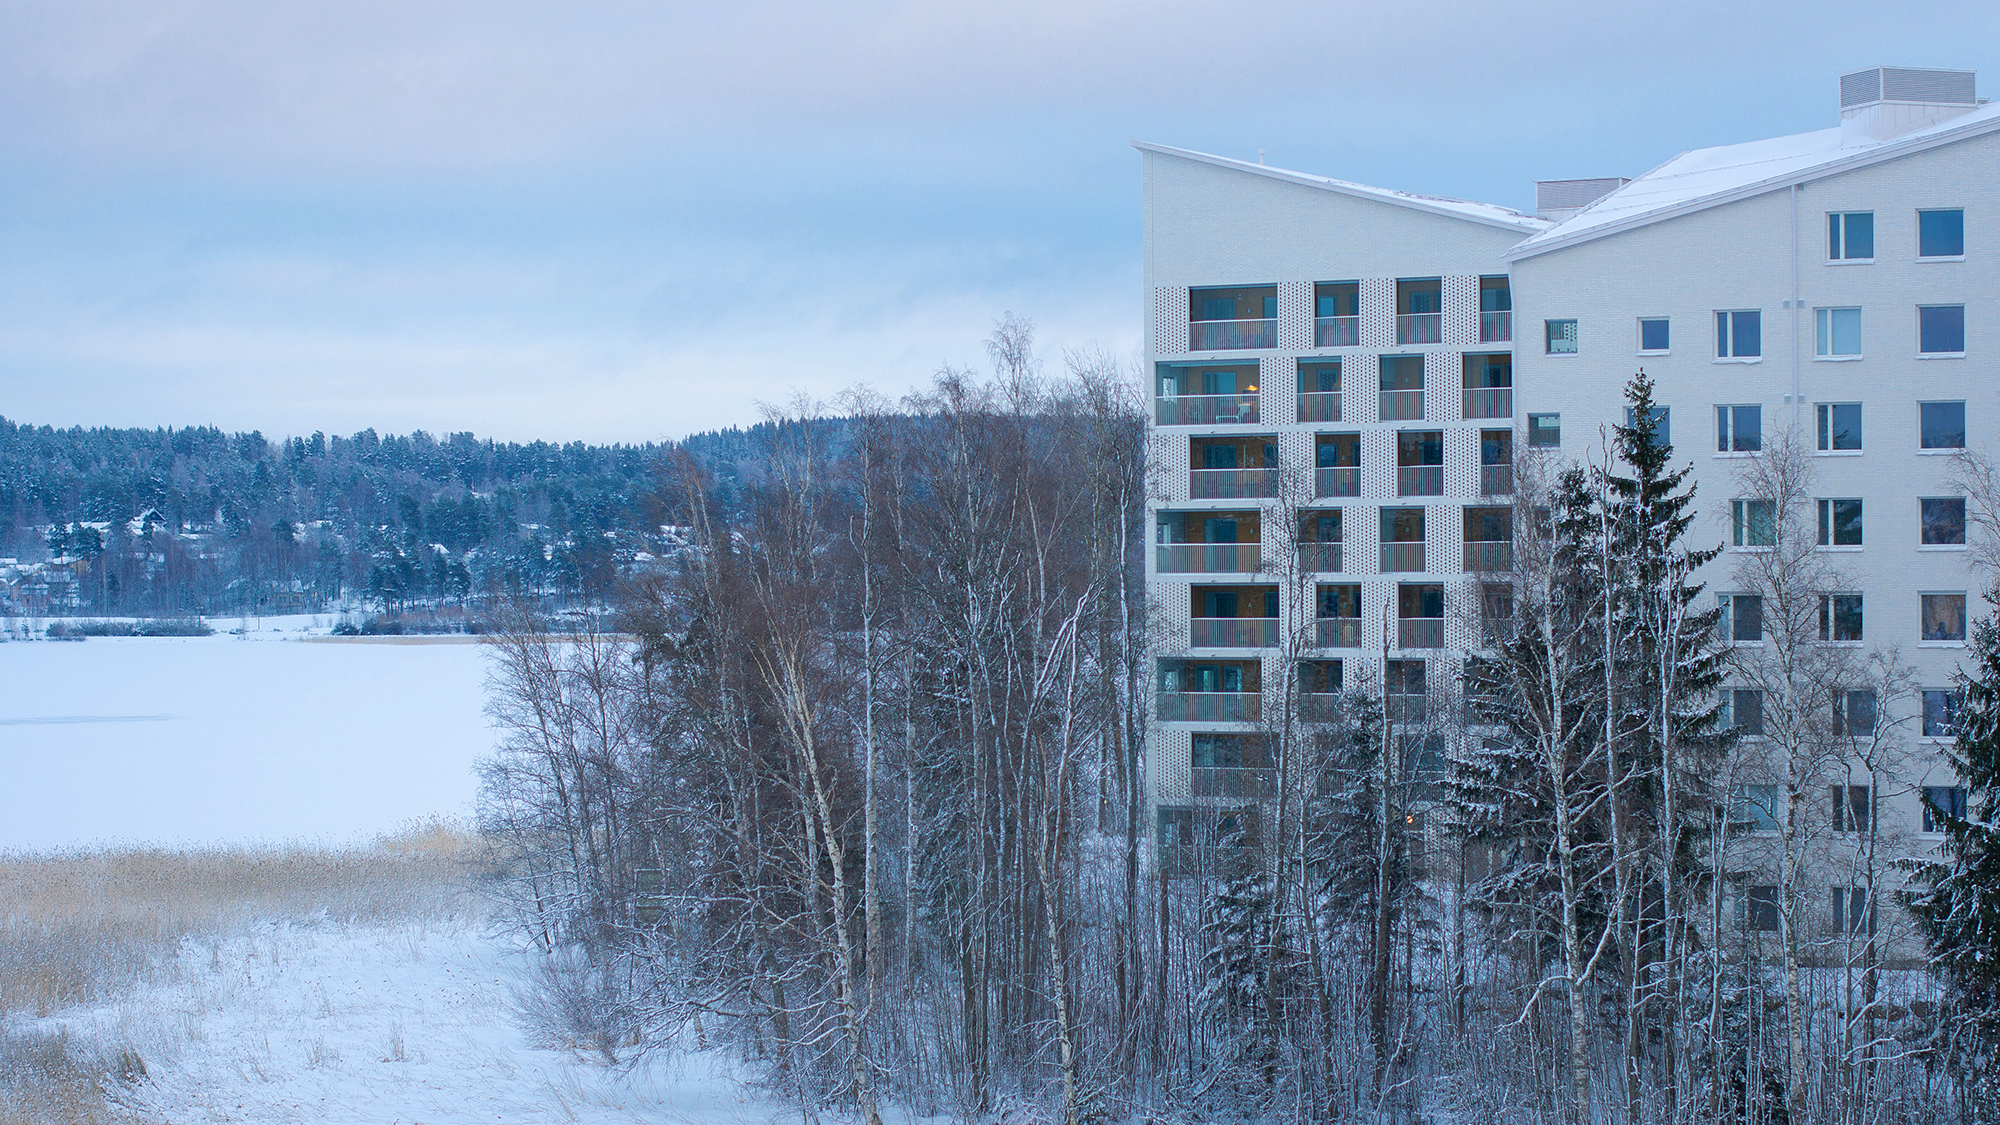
(629, 222)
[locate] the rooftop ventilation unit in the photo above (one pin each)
(1557, 200)
(1885, 102)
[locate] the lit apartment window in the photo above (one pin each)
(1739, 429)
(1943, 521)
(1943, 617)
(1739, 334)
(1941, 712)
(1839, 427)
(1942, 801)
(1850, 235)
(1654, 338)
(1941, 329)
(1942, 425)
(1840, 618)
(1840, 523)
(1545, 430)
(1851, 803)
(1941, 234)
(1560, 336)
(1753, 523)
(1838, 334)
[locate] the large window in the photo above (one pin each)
(1839, 427)
(1851, 803)
(1560, 336)
(1948, 800)
(1654, 338)
(1742, 618)
(1739, 429)
(1755, 808)
(1739, 334)
(1854, 713)
(1840, 617)
(1838, 333)
(1760, 904)
(1840, 523)
(1943, 521)
(1850, 235)
(1941, 712)
(1941, 329)
(1852, 916)
(1941, 234)
(1943, 617)
(1941, 425)
(1545, 430)
(1753, 523)
(1233, 318)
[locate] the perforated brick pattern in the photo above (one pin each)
(1170, 320)
(1173, 754)
(1171, 600)
(1461, 311)
(1378, 464)
(1360, 387)
(1278, 382)
(1444, 538)
(1362, 524)
(1461, 462)
(1444, 386)
(1167, 467)
(1295, 319)
(1378, 312)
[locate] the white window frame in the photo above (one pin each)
(1844, 261)
(1732, 314)
(1962, 328)
(1639, 326)
(1823, 334)
(1823, 514)
(1732, 407)
(1823, 420)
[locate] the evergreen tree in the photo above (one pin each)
(1237, 923)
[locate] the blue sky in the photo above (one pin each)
(624, 222)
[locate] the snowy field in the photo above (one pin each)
(267, 736)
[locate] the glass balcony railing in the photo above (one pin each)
(1231, 484)
(1210, 707)
(1337, 482)
(1420, 632)
(1208, 558)
(1489, 402)
(1319, 558)
(1420, 480)
(1232, 632)
(1419, 328)
(1496, 327)
(1400, 558)
(1319, 406)
(1402, 406)
(1489, 556)
(1496, 480)
(1205, 410)
(1337, 632)
(1337, 332)
(1231, 335)
(1232, 781)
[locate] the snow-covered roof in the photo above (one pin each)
(1488, 213)
(1710, 177)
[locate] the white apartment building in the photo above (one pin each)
(1366, 362)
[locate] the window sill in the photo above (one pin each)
(1942, 258)
(1837, 453)
(1663, 351)
(1560, 355)
(1750, 550)
(1739, 359)
(1840, 548)
(1940, 355)
(1746, 644)
(1850, 261)
(1940, 644)
(1946, 452)
(1940, 546)
(1738, 454)
(1843, 644)
(1836, 358)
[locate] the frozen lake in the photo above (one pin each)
(222, 739)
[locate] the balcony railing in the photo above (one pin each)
(1419, 328)
(1496, 480)
(1231, 335)
(1336, 331)
(1210, 707)
(1496, 327)
(1420, 480)
(1319, 558)
(1231, 484)
(1232, 632)
(1208, 558)
(1399, 558)
(1337, 632)
(1205, 410)
(1404, 708)
(1319, 406)
(1337, 481)
(1489, 556)
(1420, 632)
(1488, 402)
(1402, 406)
(1232, 781)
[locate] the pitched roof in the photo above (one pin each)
(1489, 214)
(1710, 177)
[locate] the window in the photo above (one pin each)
(1342, 600)
(1319, 378)
(1545, 430)
(1743, 618)
(1943, 521)
(1320, 677)
(1663, 429)
(1744, 711)
(1944, 617)
(1851, 805)
(1854, 716)
(1840, 523)
(1653, 336)
(1753, 523)
(1739, 334)
(1942, 425)
(1839, 333)
(1337, 298)
(1761, 908)
(1561, 336)
(1755, 808)
(1739, 429)
(1948, 800)
(1840, 617)
(1403, 695)
(1850, 236)
(1940, 712)
(1851, 913)
(1941, 234)
(1839, 427)
(1941, 329)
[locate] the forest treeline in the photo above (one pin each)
(857, 791)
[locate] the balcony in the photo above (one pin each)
(1402, 558)
(1420, 632)
(1232, 632)
(1208, 558)
(1232, 781)
(1232, 335)
(1336, 482)
(1319, 406)
(1481, 557)
(1319, 558)
(1336, 332)
(1489, 402)
(1404, 708)
(1496, 480)
(1337, 632)
(1205, 410)
(1232, 484)
(1210, 707)
(1420, 480)
(1402, 406)
(1496, 327)
(1420, 328)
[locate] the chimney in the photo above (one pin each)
(1557, 200)
(1884, 102)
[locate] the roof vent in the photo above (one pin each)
(1557, 200)
(1885, 102)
